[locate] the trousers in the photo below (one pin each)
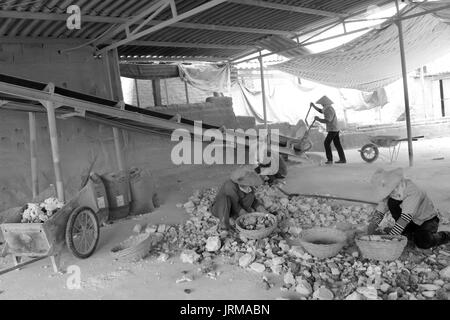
(333, 136)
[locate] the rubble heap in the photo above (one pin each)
(416, 275)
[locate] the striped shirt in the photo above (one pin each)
(416, 208)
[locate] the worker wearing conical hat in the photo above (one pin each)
(410, 207)
(237, 197)
(331, 122)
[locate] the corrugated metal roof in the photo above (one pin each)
(227, 14)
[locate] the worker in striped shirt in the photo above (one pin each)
(412, 210)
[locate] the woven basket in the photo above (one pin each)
(323, 242)
(256, 234)
(134, 248)
(382, 250)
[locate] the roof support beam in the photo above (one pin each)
(277, 6)
(31, 40)
(166, 23)
(116, 20)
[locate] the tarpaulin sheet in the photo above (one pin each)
(206, 77)
(372, 61)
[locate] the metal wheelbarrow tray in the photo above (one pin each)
(73, 225)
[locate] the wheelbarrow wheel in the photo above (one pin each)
(369, 152)
(82, 232)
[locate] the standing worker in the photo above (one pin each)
(331, 122)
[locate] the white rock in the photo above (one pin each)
(151, 229)
(213, 244)
(445, 273)
(429, 294)
(258, 267)
(289, 278)
(245, 260)
(303, 288)
(163, 257)
(428, 287)
(393, 296)
(297, 251)
(137, 228)
(189, 205)
(189, 256)
(369, 292)
(384, 287)
(277, 269)
(323, 294)
(354, 296)
(439, 282)
(277, 261)
(161, 228)
(335, 271)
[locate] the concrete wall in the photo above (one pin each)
(75, 70)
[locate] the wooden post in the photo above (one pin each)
(113, 73)
(138, 101)
(156, 86)
(166, 91)
(405, 87)
(33, 154)
(55, 148)
(187, 92)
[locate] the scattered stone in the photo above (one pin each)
(163, 257)
(151, 229)
(354, 296)
(184, 278)
(245, 260)
(428, 287)
(277, 261)
(257, 267)
(189, 256)
(303, 288)
(369, 293)
(277, 269)
(429, 294)
(445, 273)
(323, 294)
(161, 228)
(187, 291)
(393, 296)
(384, 287)
(213, 244)
(289, 279)
(137, 228)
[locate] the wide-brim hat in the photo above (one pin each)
(325, 101)
(246, 176)
(384, 182)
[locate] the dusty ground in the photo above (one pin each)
(103, 278)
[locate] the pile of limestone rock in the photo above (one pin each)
(417, 274)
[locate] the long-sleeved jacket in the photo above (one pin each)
(239, 199)
(416, 207)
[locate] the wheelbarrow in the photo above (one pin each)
(370, 152)
(76, 225)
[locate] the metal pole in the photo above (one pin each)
(263, 89)
(441, 91)
(33, 154)
(55, 149)
(405, 87)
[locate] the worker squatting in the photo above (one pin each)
(226, 310)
